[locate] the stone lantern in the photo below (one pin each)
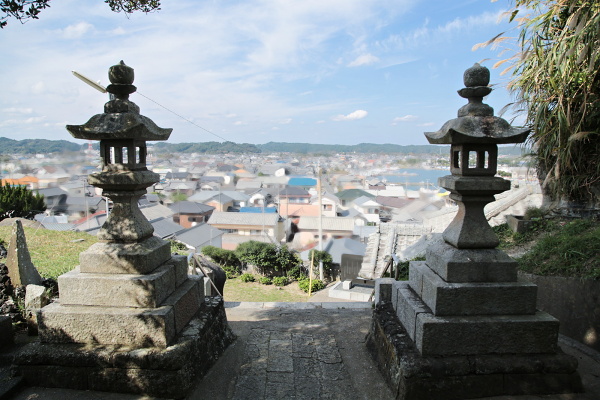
(123, 133)
(474, 138)
(129, 318)
(467, 326)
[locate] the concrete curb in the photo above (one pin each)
(299, 306)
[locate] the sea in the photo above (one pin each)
(414, 178)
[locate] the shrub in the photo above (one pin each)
(296, 273)
(231, 272)
(221, 256)
(265, 280)
(305, 285)
(280, 281)
(267, 257)
(247, 277)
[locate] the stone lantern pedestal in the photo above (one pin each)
(129, 317)
(463, 326)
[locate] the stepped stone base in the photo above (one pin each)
(467, 335)
(169, 372)
(125, 258)
(123, 290)
(63, 323)
(415, 377)
(490, 298)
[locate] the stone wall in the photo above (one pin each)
(575, 302)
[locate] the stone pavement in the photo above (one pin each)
(301, 351)
(298, 351)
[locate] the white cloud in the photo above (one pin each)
(365, 59)
(406, 118)
(358, 114)
(16, 110)
(77, 30)
(286, 121)
(427, 124)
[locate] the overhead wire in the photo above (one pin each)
(182, 117)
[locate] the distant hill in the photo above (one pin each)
(368, 148)
(34, 146)
(206, 147)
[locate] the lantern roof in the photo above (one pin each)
(121, 118)
(476, 122)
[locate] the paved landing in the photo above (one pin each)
(301, 351)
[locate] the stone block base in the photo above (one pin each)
(59, 323)
(162, 372)
(477, 334)
(415, 377)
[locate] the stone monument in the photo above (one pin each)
(129, 317)
(468, 327)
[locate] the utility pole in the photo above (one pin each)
(321, 274)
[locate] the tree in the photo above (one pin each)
(267, 257)
(556, 83)
(319, 256)
(24, 10)
(18, 201)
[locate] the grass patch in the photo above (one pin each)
(236, 290)
(572, 249)
(540, 226)
(52, 252)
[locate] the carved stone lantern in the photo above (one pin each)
(138, 320)
(123, 133)
(470, 327)
(474, 138)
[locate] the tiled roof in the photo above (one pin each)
(165, 227)
(236, 218)
(190, 207)
(351, 194)
(197, 235)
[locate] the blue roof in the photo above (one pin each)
(258, 210)
(302, 182)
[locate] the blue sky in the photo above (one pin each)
(254, 71)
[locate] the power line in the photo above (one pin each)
(183, 118)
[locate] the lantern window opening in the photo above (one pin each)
(456, 159)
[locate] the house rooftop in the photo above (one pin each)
(235, 218)
(190, 207)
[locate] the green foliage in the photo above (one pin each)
(280, 281)
(265, 280)
(504, 174)
(508, 238)
(23, 10)
(222, 257)
(305, 285)
(129, 6)
(18, 201)
(573, 250)
(296, 273)
(267, 257)
(178, 197)
(231, 272)
(319, 256)
(247, 278)
(557, 85)
(52, 252)
(403, 268)
(178, 248)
